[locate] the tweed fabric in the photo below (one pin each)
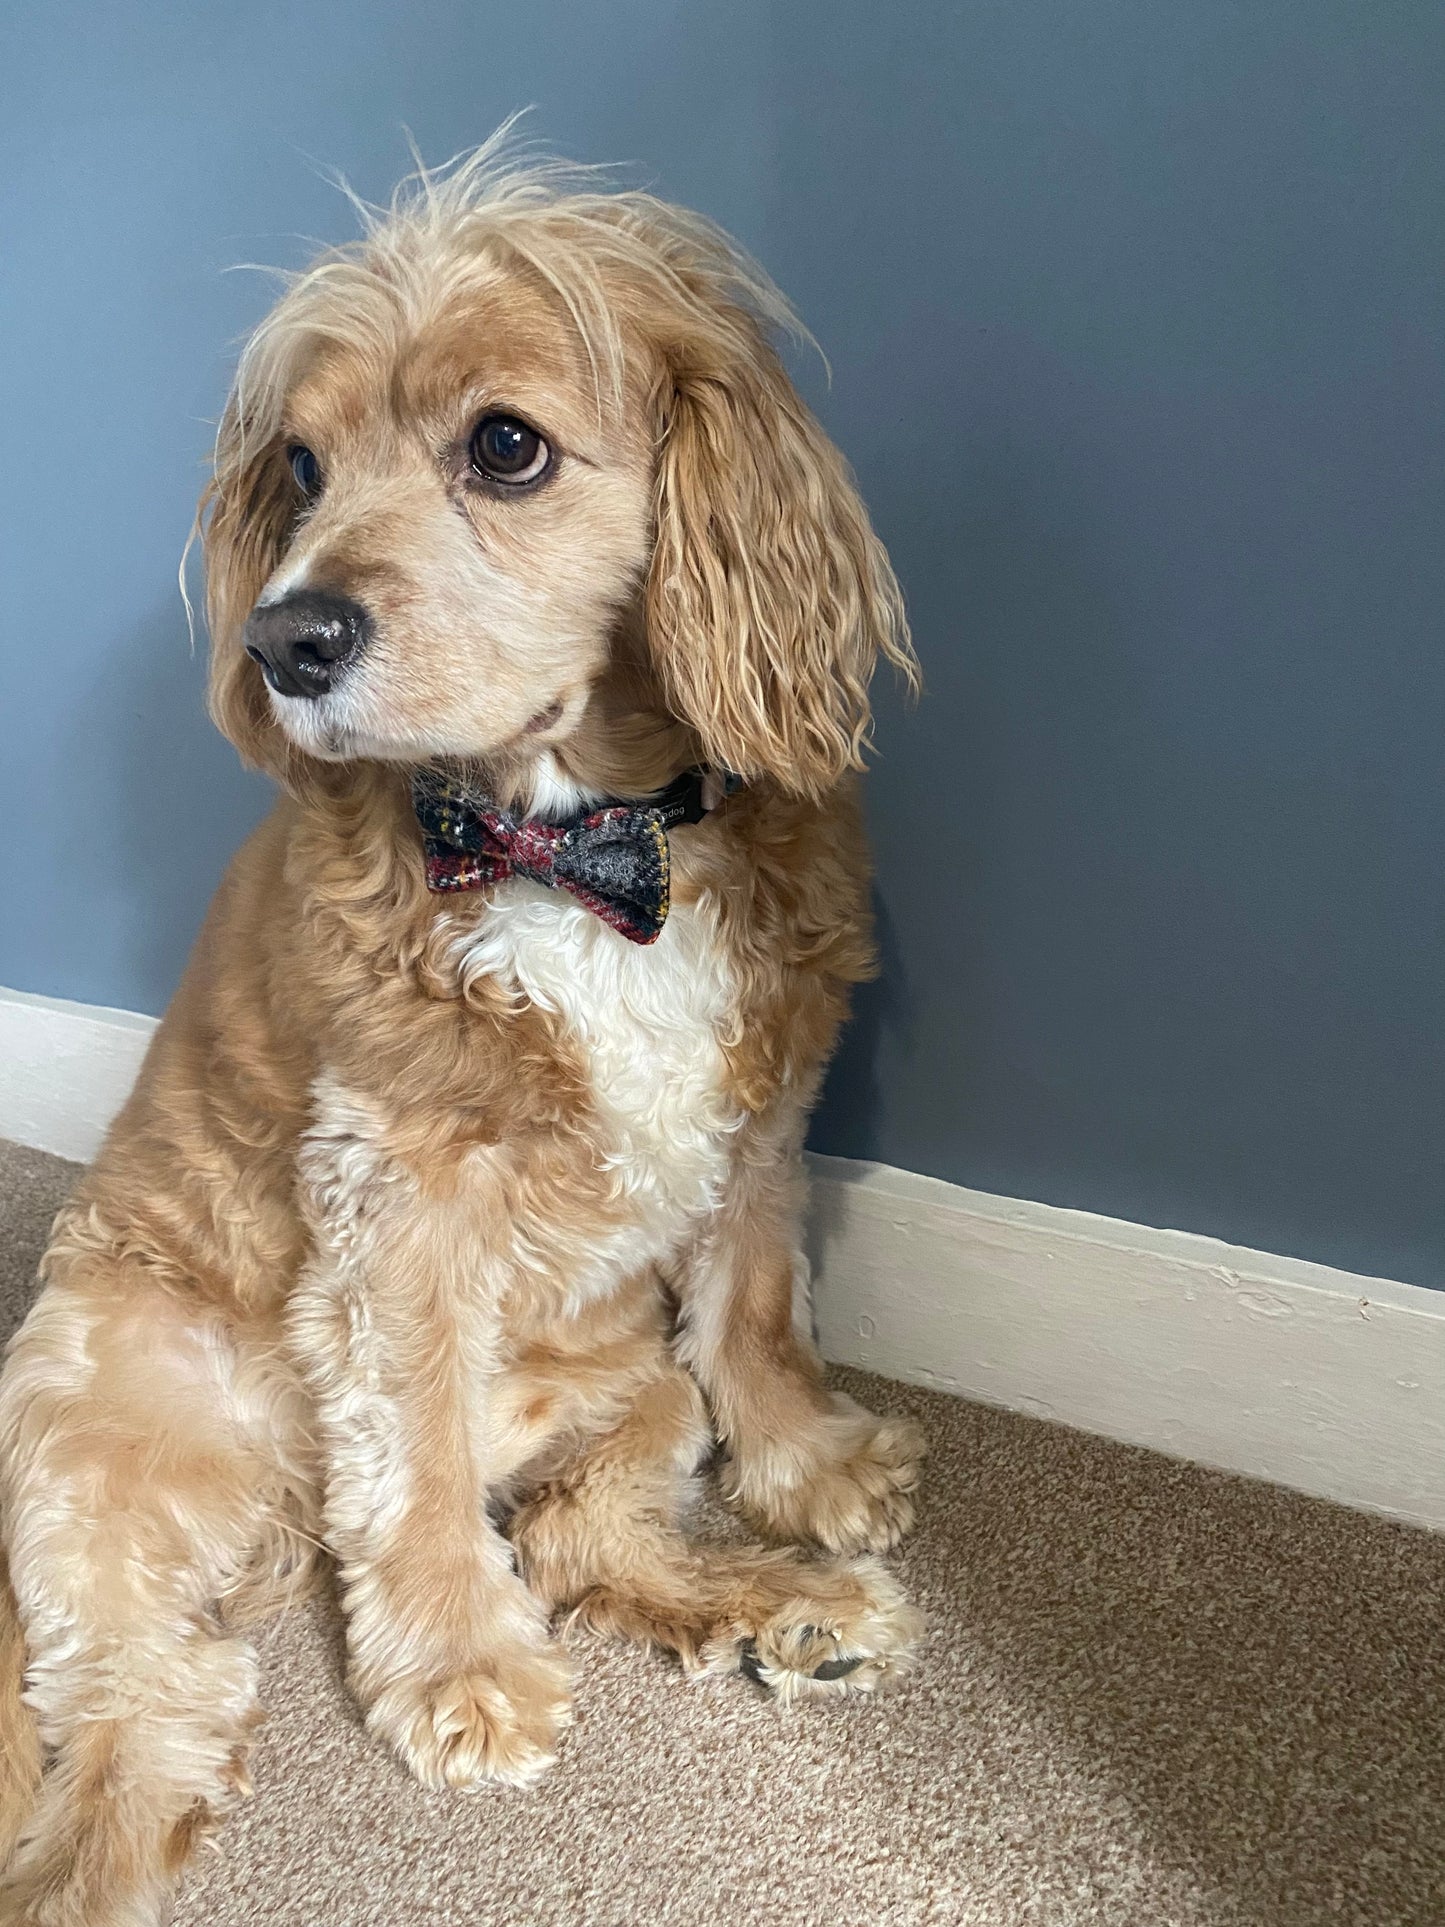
(1150, 1696)
(613, 859)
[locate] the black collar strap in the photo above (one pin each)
(687, 799)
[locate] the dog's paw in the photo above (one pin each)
(847, 1629)
(847, 1481)
(498, 1719)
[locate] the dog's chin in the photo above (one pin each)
(327, 729)
(332, 741)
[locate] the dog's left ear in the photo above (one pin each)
(770, 598)
(245, 520)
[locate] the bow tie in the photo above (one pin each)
(613, 858)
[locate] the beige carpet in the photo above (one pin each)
(1152, 1696)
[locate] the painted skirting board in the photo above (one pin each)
(65, 1070)
(1295, 1372)
(1289, 1371)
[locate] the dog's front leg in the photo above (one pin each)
(802, 1462)
(395, 1328)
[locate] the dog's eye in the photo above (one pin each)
(506, 450)
(305, 470)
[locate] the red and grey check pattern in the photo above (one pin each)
(615, 860)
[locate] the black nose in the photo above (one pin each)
(305, 639)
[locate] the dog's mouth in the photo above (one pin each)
(330, 728)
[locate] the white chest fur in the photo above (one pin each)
(648, 1020)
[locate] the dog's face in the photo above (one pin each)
(521, 472)
(468, 530)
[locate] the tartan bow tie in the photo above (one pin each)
(614, 858)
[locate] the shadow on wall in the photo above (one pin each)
(180, 802)
(849, 1115)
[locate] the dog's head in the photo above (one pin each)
(518, 479)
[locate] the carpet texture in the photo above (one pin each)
(1151, 1696)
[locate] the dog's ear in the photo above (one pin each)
(244, 519)
(769, 598)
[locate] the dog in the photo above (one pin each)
(454, 1219)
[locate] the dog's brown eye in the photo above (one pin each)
(506, 450)
(305, 470)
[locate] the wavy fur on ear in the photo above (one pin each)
(770, 597)
(244, 518)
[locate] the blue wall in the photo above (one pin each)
(1134, 312)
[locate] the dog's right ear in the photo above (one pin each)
(770, 599)
(245, 518)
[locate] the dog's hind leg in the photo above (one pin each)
(19, 1742)
(603, 1540)
(139, 1491)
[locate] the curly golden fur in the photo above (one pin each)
(445, 1234)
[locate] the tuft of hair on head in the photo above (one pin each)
(769, 598)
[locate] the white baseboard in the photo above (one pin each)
(1310, 1377)
(65, 1070)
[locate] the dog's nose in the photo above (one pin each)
(302, 641)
